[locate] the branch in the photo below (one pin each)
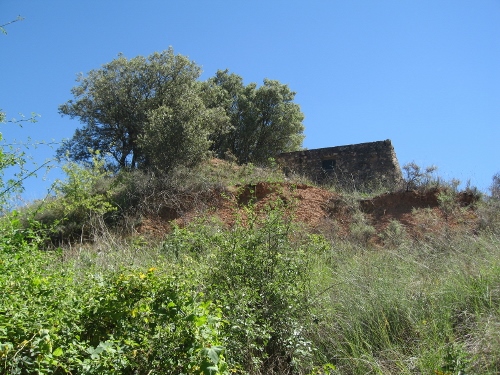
(19, 18)
(20, 181)
(32, 119)
(33, 144)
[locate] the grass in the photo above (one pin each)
(284, 301)
(413, 309)
(417, 307)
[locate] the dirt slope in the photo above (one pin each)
(418, 211)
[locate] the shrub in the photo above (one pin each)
(489, 210)
(417, 178)
(54, 320)
(495, 187)
(258, 273)
(80, 204)
(361, 232)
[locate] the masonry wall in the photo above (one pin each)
(365, 164)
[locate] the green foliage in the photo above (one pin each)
(455, 360)
(81, 201)
(133, 321)
(80, 192)
(152, 113)
(394, 235)
(261, 275)
(265, 119)
(178, 134)
(283, 302)
(447, 199)
(115, 103)
(153, 317)
(262, 296)
(361, 232)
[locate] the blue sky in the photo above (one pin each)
(425, 74)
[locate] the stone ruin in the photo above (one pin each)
(359, 166)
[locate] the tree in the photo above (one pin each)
(265, 120)
(179, 134)
(154, 113)
(115, 104)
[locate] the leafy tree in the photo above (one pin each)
(115, 104)
(154, 113)
(179, 134)
(265, 119)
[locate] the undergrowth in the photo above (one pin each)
(262, 296)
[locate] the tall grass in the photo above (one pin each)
(411, 310)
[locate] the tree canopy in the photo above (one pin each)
(154, 113)
(265, 120)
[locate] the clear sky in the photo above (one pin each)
(425, 74)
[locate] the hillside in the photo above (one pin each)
(227, 269)
(321, 209)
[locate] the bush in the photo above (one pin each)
(79, 206)
(417, 178)
(259, 273)
(495, 187)
(394, 234)
(53, 320)
(361, 232)
(489, 210)
(261, 276)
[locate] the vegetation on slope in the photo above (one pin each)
(260, 294)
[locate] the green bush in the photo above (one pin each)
(260, 275)
(53, 320)
(361, 232)
(394, 235)
(258, 272)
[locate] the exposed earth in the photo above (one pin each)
(420, 212)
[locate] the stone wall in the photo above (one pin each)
(361, 165)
